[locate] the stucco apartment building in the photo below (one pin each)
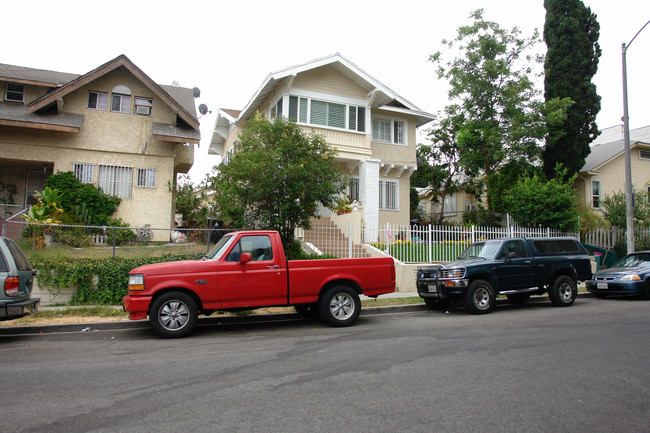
(372, 127)
(113, 127)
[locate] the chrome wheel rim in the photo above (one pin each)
(174, 315)
(481, 298)
(342, 306)
(566, 292)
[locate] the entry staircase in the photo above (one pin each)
(332, 240)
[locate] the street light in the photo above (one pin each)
(629, 218)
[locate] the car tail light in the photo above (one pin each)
(11, 286)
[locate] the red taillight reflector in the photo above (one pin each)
(11, 286)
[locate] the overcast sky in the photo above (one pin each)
(227, 48)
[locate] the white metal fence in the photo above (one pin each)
(408, 244)
(608, 238)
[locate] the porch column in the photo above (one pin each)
(369, 195)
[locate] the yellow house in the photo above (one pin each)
(452, 207)
(113, 127)
(604, 171)
(373, 128)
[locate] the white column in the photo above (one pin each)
(369, 195)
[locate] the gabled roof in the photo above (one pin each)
(36, 77)
(120, 61)
(603, 153)
(379, 95)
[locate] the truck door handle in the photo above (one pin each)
(528, 262)
(273, 267)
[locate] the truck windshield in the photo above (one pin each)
(484, 250)
(221, 246)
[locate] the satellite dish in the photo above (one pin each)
(196, 92)
(203, 108)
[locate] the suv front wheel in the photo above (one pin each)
(480, 297)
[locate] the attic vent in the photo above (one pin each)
(121, 89)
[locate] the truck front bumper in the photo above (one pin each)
(136, 306)
(442, 289)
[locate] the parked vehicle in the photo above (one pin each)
(628, 276)
(17, 281)
(247, 270)
(517, 268)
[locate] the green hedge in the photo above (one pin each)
(96, 281)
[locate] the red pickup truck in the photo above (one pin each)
(247, 270)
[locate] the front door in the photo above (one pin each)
(35, 182)
(516, 270)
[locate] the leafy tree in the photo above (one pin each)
(500, 183)
(613, 207)
(535, 201)
(189, 200)
(277, 177)
(496, 113)
(82, 201)
(571, 33)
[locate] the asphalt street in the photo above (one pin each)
(535, 368)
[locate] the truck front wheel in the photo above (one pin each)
(173, 315)
(480, 297)
(340, 306)
(563, 291)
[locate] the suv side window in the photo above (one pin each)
(3, 264)
(22, 262)
(517, 247)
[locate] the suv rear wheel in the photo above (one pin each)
(563, 291)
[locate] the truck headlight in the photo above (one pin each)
(136, 282)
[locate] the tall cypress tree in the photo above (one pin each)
(571, 34)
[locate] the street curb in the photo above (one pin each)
(217, 320)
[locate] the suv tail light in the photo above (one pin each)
(11, 286)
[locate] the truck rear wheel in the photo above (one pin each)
(563, 291)
(340, 306)
(173, 315)
(480, 297)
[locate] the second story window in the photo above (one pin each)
(97, 100)
(326, 113)
(121, 103)
(15, 92)
(388, 130)
(121, 99)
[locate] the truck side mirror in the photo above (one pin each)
(245, 258)
(512, 255)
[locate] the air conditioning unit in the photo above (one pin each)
(143, 109)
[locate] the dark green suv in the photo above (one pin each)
(16, 282)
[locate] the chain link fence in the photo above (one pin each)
(94, 241)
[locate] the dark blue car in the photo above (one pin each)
(628, 276)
